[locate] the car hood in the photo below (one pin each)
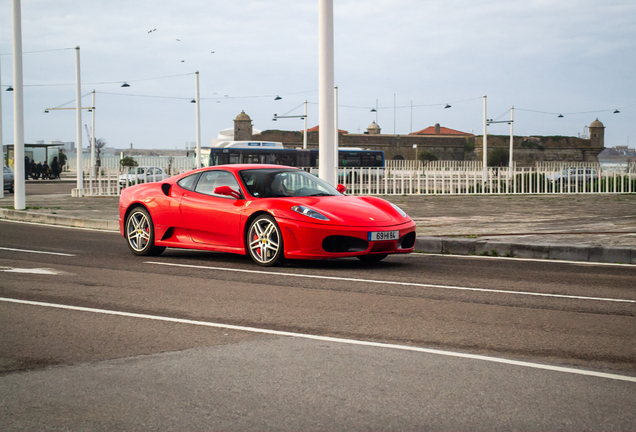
(344, 210)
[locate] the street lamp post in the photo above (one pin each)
(305, 130)
(18, 110)
(78, 119)
(93, 141)
(336, 136)
(1, 141)
(485, 148)
(198, 118)
(510, 161)
(326, 170)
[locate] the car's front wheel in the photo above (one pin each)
(140, 233)
(265, 241)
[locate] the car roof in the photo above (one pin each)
(239, 167)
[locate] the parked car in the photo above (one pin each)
(574, 175)
(142, 174)
(9, 179)
(269, 212)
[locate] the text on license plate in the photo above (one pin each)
(383, 235)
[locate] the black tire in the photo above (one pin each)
(261, 235)
(372, 258)
(140, 233)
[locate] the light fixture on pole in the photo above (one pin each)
(125, 85)
(616, 112)
(9, 88)
(560, 116)
(447, 106)
(277, 98)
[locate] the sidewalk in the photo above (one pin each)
(600, 228)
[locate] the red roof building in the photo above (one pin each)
(438, 130)
(317, 129)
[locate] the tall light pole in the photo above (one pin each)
(485, 147)
(198, 118)
(326, 143)
(1, 141)
(93, 141)
(305, 130)
(78, 118)
(18, 109)
(512, 120)
(335, 122)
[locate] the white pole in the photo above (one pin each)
(325, 86)
(78, 117)
(18, 110)
(305, 131)
(512, 116)
(394, 108)
(93, 140)
(335, 121)
(198, 115)
(1, 141)
(485, 148)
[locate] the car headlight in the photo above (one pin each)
(309, 212)
(399, 210)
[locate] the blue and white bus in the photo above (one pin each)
(263, 152)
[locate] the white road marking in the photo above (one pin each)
(34, 251)
(329, 339)
(339, 278)
(60, 226)
(541, 260)
(40, 271)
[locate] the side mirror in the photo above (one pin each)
(227, 191)
(341, 188)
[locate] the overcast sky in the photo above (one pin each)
(575, 57)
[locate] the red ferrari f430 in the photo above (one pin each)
(270, 212)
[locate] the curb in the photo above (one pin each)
(459, 246)
(19, 215)
(436, 245)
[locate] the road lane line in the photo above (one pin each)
(37, 252)
(338, 278)
(329, 339)
(60, 226)
(541, 260)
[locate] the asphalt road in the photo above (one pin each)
(145, 356)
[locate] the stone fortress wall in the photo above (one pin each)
(446, 144)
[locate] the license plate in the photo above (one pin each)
(383, 235)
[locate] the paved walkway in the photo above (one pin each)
(590, 221)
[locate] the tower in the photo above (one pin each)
(242, 127)
(597, 134)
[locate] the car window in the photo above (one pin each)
(189, 181)
(211, 180)
(272, 183)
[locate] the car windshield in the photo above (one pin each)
(272, 182)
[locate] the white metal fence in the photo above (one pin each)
(168, 163)
(426, 180)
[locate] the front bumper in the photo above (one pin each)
(305, 240)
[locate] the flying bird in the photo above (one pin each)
(211, 52)
(182, 61)
(150, 31)
(179, 40)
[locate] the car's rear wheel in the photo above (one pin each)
(140, 233)
(372, 258)
(265, 242)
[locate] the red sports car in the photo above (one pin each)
(271, 212)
